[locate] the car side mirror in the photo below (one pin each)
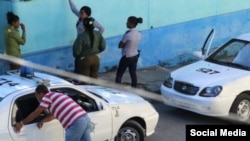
(198, 54)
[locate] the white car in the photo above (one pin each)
(115, 114)
(218, 85)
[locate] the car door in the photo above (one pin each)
(101, 121)
(98, 111)
(206, 48)
(25, 104)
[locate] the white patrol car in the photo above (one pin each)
(115, 114)
(218, 85)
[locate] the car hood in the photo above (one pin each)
(113, 96)
(205, 73)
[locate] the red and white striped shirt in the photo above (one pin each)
(62, 107)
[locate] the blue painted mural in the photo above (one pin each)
(171, 31)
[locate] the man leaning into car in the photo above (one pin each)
(73, 118)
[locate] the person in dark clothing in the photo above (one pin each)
(86, 48)
(82, 14)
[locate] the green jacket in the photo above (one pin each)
(13, 40)
(82, 46)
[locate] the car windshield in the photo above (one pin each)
(234, 53)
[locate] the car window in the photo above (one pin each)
(243, 56)
(23, 106)
(83, 100)
(229, 51)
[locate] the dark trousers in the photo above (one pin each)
(88, 66)
(131, 64)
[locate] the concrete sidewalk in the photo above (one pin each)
(149, 79)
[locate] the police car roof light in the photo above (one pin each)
(31, 77)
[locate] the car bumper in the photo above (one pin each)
(151, 123)
(210, 106)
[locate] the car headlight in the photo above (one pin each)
(168, 82)
(211, 91)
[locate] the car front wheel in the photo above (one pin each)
(240, 109)
(131, 131)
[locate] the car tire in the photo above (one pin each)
(131, 131)
(240, 110)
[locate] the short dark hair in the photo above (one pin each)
(86, 9)
(42, 89)
(11, 17)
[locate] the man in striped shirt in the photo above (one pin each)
(72, 117)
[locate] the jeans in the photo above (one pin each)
(131, 64)
(79, 130)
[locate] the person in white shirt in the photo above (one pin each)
(83, 13)
(130, 53)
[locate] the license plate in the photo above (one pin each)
(179, 103)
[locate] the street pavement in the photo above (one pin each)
(148, 79)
